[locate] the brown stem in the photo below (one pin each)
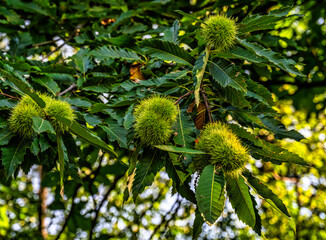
(71, 87)
(183, 96)
(72, 35)
(7, 95)
(42, 207)
(207, 105)
(97, 211)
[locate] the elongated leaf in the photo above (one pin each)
(176, 169)
(199, 71)
(114, 52)
(40, 125)
(171, 34)
(5, 103)
(147, 168)
(170, 148)
(210, 194)
(257, 22)
(258, 224)
(265, 150)
(185, 130)
(265, 192)
(189, 16)
(83, 133)
(277, 59)
(198, 225)
(13, 155)
(259, 92)
(220, 72)
(167, 51)
(279, 129)
(240, 53)
(5, 136)
(116, 132)
(48, 83)
(240, 199)
(22, 86)
(82, 61)
(61, 157)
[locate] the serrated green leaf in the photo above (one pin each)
(83, 133)
(35, 147)
(22, 86)
(115, 132)
(258, 224)
(5, 103)
(79, 102)
(265, 192)
(279, 129)
(129, 117)
(49, 84)
(13, 155)
(220, 73)
(114, 52)
(170, 148)
(166, 51)
(92, 120)
(189, 16)
(240, 53)
(259, 92)
(40, 125)
(171, 34)
(257, 22)
(265, 150)
(184, 128)
(82, 61)
(210, 194)
(5, 136)
(199, 71)
(240, 199)
(147, 168)
(277, 59)
(176, 169)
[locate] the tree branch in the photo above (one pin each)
(165, 222)
(183, 96)
(71, 87)
(72, 35)
(97, 211)
(70, 212)
(7, 95)
(207, 105)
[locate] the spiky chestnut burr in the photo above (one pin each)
(224, 148)
(60, 108)
(219, 32)
(154, 118)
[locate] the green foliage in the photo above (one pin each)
(210, 194)
(105, 123)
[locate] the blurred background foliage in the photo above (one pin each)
(32, 29)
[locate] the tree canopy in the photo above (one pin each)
(144, 120)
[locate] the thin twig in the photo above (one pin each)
(183, 96)
(70, 212)
(165, 222)
(97, 211)
(207, 105)
(72, 35)
(7, 95)
(45, 43)
(71, 87)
